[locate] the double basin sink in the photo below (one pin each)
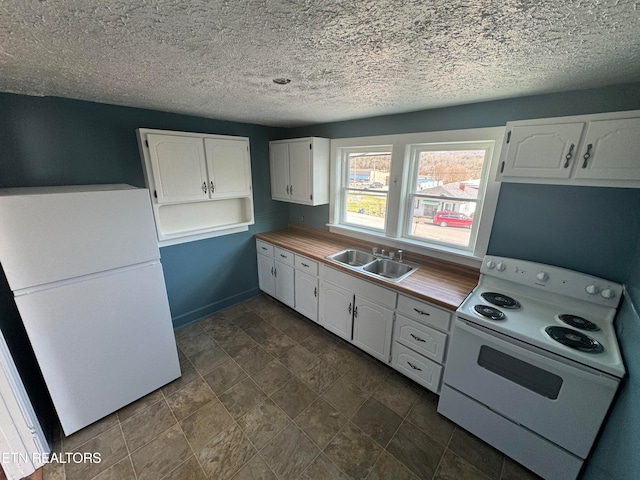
(375, 266)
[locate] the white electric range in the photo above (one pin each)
(534, 363)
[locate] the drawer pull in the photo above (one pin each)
(414, 367)
(264, 248)
(304, 264)
(283, 256)
(417, 338)
(422, 312)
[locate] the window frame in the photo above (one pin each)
(413, 155)
(399, 187)
(344, 185)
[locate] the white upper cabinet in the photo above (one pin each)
(200, 184)
(593, 150)
(179, 168)
(300, 170)
(611, 150)
(542, 151)
(229, 167)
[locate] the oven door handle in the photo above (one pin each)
(533, 355)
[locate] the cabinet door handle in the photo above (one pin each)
(417, 338)
(304, 264)
(287, 189)
(315, 291)
(272, 271)
(204, 187)
(213, 189)
(349, 308)
(569, 155)
(587, 155)
(291, 189)
(355, 312)
(421, 312)
(413, 366)
(275, 272)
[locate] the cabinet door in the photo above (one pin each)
(179, 169)
(542, 151)
(284, 283)
(300, 171)
(279, 156)
(229, 167)
(610, 150)
(306, 291)
(336, 308)
(266, 277)
(372, 328)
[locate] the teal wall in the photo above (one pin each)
(52, 141)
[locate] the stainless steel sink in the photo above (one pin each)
(388, 268)
(352, 257)
(374, 266)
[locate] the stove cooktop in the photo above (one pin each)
(582, 330)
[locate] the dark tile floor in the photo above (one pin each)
(267, 394)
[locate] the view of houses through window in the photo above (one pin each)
(444, 196)
(368, 186)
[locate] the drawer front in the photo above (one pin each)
(264, 248)
(284, 256)
(424, 313)
(380, 295)
(424, 340)
(415, 366)
(306, 265)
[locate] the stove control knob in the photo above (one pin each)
(607, 293)
(542, 276)
(501, 267)
(490, 264)
(592, 289)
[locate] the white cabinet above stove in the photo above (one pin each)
(588, 150)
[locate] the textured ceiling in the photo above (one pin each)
(346, 58)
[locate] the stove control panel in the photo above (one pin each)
(555, 279)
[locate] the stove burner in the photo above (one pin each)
(574, 339)
(578, 322)
(500, 300)
(489, 312)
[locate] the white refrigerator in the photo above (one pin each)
(84, 267)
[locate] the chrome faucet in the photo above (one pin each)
(383, 254)
(400, 253)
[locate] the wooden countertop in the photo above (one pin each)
(437, 281)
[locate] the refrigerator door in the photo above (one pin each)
(57, 233)
(102, 342)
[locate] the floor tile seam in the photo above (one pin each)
(117, 461)
(420, 429)
(181, 464)
(480, 474)
(376, 462)
(444, 448)
(322, 450)
(126, 420)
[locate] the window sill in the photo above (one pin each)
(462, 257)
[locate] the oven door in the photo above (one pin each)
(558, 399)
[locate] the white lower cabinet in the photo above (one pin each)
(284, 283)
(420, 337)
(275, 272)
(336, 310)
(372, 328)
(347, 309)
(306, 294)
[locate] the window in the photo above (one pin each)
(424, 192)
(445, 194)
(365, 186)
